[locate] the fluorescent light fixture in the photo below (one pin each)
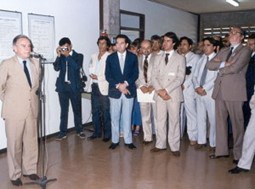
(233, 2)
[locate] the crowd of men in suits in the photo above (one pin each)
(206, 92)
(213, 89)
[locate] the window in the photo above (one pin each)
(132, 24)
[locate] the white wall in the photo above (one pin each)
(160, 19)
(78, 20)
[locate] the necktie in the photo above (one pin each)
(229, 54)
(203, 77)
(122, 62)
(166, 58)
(145, 68)
(67, 73)
(27, 73)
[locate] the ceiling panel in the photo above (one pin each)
(206, 6)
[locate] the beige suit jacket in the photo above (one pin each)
(231, 79)
(102, 83)
(15, 92)
(141, 80)
(170, 76)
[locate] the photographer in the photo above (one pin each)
(69, 86)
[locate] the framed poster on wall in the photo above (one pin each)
(10, 26)
(41, 30)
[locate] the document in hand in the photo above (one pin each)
(145, 97)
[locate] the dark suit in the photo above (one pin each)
(114, 76)
(229, 94)
(250, 82)
(121, 105)
(69, 91)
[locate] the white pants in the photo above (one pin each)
(190, 110)
(248, 150)
(206, 108)
(148, 119)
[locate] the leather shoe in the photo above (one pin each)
(199, 146)
(106, 139)
(238, 170)
(147, 142)
(32, 176)
(213, 156)
(131, 146)
(157, 149)
(92, 137)
(113, 146)
(176, 153)
(16, 182)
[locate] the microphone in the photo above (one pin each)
(35, 55)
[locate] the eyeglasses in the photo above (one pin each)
(234, 32)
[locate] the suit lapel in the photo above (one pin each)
(33, 72)
(171, 60)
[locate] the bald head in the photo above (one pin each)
(146, 47)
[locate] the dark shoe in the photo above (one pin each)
(113, 146)
(147, 142)
(131, 146)
(106, 139)
(61, 136)
(32, 176)
(81, 135)
(16, 182)
(176, 153)
(213, 156)
(199, 146)
(211, 149)
(157, 149)
(235, 161)
(238, 170)
(92, 137)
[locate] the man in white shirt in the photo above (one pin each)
(203, 80)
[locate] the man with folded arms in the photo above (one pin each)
(230, 93)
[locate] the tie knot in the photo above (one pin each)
(167, 54)
(146, 57)
(24, 62)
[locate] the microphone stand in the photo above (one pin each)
(41, 123)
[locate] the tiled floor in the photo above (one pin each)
(79, 164)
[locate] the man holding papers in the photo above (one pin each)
(145, 90)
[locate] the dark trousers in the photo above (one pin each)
(100, 113)
(75, 99)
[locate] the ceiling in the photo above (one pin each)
(206, 6)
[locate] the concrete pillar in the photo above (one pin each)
(111, 17)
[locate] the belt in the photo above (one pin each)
(67, 82)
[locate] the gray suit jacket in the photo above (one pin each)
(170, 76)
(231, 79)
(141, 80)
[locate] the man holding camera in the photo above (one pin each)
(69, 86)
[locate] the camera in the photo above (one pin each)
(64, 49)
